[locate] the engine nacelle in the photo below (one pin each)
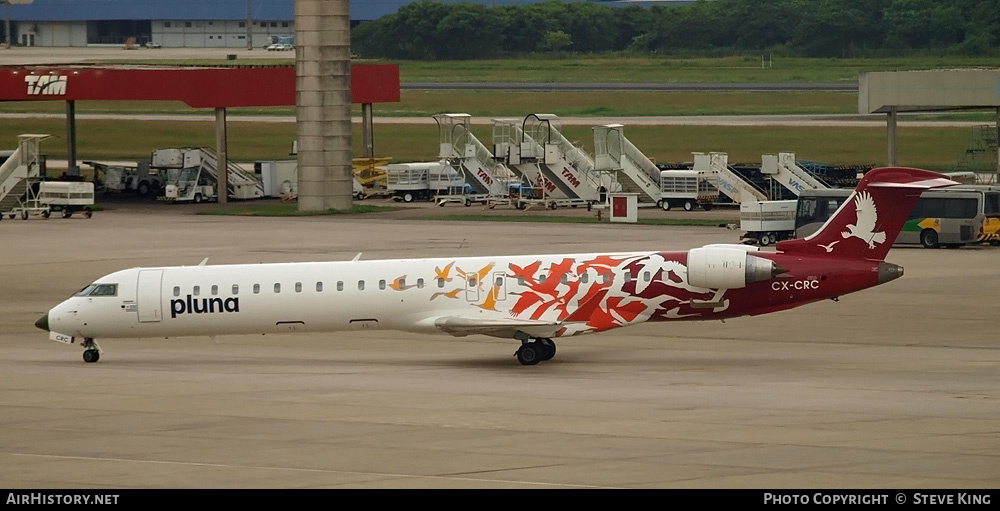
(719, 267)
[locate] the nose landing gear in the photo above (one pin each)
(91, 350)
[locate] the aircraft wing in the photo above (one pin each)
(505, 328)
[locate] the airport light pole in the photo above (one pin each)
(249, 24)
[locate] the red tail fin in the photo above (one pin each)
(867, 224)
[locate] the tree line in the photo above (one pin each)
(432, 30)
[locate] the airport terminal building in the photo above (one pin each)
(172, 24)
(185, 23)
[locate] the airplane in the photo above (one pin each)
(530, 298)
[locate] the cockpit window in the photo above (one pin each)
(99, 290)
(86, 291)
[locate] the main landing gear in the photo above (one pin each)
(534, 350)
(91, 350)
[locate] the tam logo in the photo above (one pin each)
(46, 85)
(205, 305)
(485, 177)
(570, 177)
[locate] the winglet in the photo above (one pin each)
(867, 223)
(356, 258)
(203, 262)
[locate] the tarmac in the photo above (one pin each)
(893, 387)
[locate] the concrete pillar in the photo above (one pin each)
(891, 136)
(323, 104)
(221, 156)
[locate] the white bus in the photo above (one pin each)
(950, 217)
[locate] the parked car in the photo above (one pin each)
(151, 44)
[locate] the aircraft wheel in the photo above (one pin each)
(548, 349)
(91, 356)
(929, 238)
(528, 354)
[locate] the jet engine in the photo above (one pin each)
(722, 267)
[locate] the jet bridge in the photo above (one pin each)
(729, 181)
(783, 170)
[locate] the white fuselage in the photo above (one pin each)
(410, 295)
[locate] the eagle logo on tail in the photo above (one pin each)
(864, 229)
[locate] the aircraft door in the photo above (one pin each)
(472, 288)
(147, 296)
(499, 288)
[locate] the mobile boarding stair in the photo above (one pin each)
(624, 164)
(473, 174)
(241, 184)
(554, 172)
(18, 176)
(783, 170)
(729, 182)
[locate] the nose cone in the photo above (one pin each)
(43, 322)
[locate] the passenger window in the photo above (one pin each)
(520, 281)
(440, 282)
(340, 285)
(215, 290)
(236, 289)
(361, 285)
(177, 290)
(499, 281)
(472, 282)
(197, 290)
(256, 289)
(277, 287)
(645, 276)
(584, 278)
(381, 284)
(628, 277)
(298, 287)
(319, 287)
(420, 283)
(564, 279)
(541, 279)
